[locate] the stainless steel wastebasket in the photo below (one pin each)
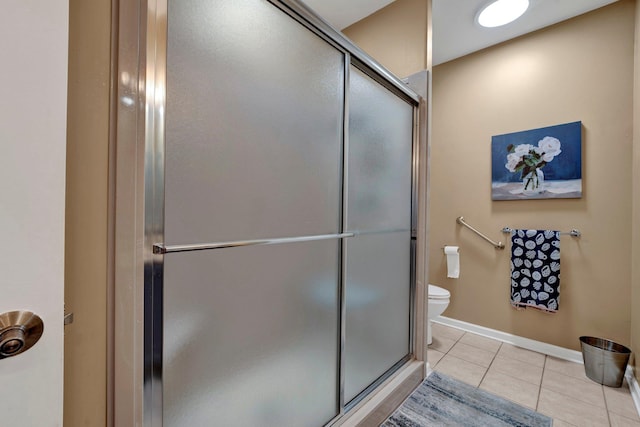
(604, 361)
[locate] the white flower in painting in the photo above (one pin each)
(522, 149)
(548, 157)
(512, 162)
(550, 145)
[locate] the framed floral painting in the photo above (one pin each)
(543, 163)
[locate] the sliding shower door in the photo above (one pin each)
(378, 267)
(253, 155)
(278, 241)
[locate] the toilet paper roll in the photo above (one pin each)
(453, 261)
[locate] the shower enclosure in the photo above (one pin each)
(266, 231)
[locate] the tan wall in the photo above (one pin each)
(581, 69)
(86, 213)
(396, 36)
(635, 273)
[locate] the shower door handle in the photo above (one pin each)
(159, 248)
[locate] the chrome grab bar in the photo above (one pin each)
(497, 245)
(160, 248)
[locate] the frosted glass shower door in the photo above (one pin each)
(378, 267)
(254, 119)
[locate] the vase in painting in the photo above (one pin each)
(533, 182)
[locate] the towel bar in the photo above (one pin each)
(573, 233)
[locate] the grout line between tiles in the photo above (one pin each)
(606, 405)
(544, 368)
(488, 367)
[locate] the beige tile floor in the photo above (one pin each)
(554, 387)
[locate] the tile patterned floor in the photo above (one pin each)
(554, 387)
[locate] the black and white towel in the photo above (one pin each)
(535, 269)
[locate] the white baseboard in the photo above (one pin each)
(529, 344)
(540, 347)
(633, 387)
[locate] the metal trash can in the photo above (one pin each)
(604, 361)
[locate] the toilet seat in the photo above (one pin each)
(436, 293)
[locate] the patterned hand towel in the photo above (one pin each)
(535, 269)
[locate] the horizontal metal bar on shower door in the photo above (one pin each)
(497, 245)
(159, 248)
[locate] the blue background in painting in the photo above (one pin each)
(567, 165)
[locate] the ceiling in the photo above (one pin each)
(455, 32)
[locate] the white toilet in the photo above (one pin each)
(438, 303)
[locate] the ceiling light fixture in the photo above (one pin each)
(502, 12)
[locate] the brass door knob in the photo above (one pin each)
(19, 331)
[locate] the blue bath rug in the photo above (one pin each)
(444, 401)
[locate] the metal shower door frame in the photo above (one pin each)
(140, 97)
